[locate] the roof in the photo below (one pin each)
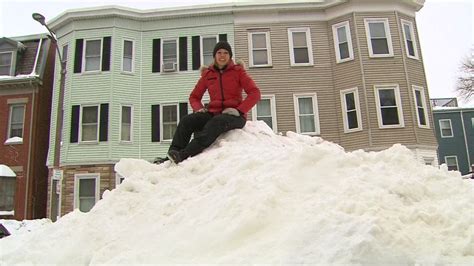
(228, 7)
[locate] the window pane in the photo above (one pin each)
(387, 97)
(169, 113)
(344, 50)
(259, 41)
(407, 32)
(301, 55)
(411, 49)
(87, 187)
(352, 119)
(377, 30)
(350, 102)
(7, 193)
(169, 51)
(127, 49)
(64, 54)
(208, 44)
(260, 57)
(93, 55)
(390, 116)
(379, 46)
(307, 123)
(5, 63)
(127, 64)
(421, 116)
(89, 132)
(16, 121)
(126, 132)
(90, 114)
(452, 163)
(126, 123)
(264, 108)
(341, 34)
(418, 98)
(18, 113)
(299, 39)
(305, 106)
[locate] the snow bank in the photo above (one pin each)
(256, 197)
(20, 227)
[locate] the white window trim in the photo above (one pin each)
(398, 102)
(272, 110)
(60, 195)
(84, 56)
(455, 158)
(308, 43)
(98, 124)
(161, 119)
(387, 35)
(424, 105)
(77, 178)
(412, 35)
(117, 179)
(441, 128)
(201, 45)
(344, 110)
(315, 109)
(163, 52)
(133, 55)
(10, 121)
(12, 62)
(131, 123)
(335, 27)
(250, 48)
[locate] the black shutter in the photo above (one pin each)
(155, 123)
(196, 46)
(75, 124)
(183, 53)
(78, 56)
(106, 46)
(183, 110)
(223, 37)
(155, 63)
(104, 122)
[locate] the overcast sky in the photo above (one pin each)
(445, 30)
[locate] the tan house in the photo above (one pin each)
(348, 71)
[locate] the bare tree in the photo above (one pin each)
(465, 79)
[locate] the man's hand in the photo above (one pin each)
(231, 111)
(202, 110)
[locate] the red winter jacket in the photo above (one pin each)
(225, 89)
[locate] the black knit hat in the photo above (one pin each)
(222, 45)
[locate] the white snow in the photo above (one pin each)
(15, 227)
(255, 197)
(14, 140)
(6, 171)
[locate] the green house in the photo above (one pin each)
(454, 128)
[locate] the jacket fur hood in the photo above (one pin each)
(238, 62)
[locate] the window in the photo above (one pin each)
(86, 190)
(17, 115)
(170, 55)
(118, 179)
(420, 101)
(451, 162)
(6, 64)
(64, 54)
(472, 122)
(169, 121)
(301, 53)
(306, 111)
(410, 43)
(92, 56)
(351, 110)
(127, 58)
(342, 42)
(389, 110)
(7, 193)
(379, 40)
(259, 49)
(265, 110)
(90, 123)
(207, 47)
(126, 123)
(445, 128)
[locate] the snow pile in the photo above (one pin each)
(20, 227)
(256, 197)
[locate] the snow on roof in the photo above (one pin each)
(255, 197)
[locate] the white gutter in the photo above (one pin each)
(465, 138)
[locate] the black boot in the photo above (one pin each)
(160, 160)
(177, 156)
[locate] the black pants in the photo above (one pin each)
(206, 128)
